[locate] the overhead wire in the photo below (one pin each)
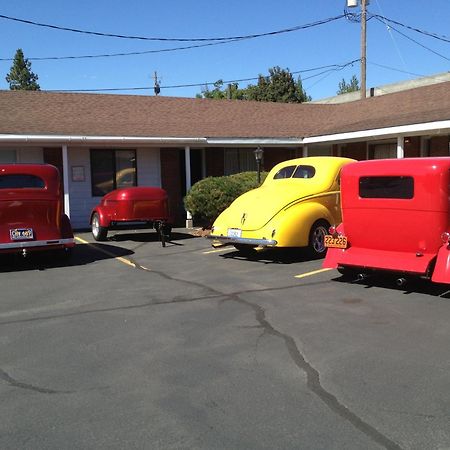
(109, 55)
(166, 39)
(328, 68)
(415, 42)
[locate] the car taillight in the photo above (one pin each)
(332, 230)
(445, 237)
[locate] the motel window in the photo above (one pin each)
(112, 169)
(239, 160)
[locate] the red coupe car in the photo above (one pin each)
(31, 210)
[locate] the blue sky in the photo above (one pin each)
(391, 56)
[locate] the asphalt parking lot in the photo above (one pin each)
(132, 345)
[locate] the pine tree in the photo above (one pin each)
(20, 76)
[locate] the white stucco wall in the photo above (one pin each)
(80, 192)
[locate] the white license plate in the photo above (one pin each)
(20, 234)
(234, 232)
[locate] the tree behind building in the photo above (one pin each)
(278, 86)
(20, 76)
(345, 87)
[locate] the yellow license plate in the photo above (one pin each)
(335, 242)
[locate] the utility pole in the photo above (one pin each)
(363, 47)
(363, 3)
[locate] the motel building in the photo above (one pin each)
(103, 142)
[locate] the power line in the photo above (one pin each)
(417, 30)
(165, 39)
(415, 42)
(329, 68)
(109, 55)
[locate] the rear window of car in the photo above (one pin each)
(21, 181)
(295, 172)
(304, 172)
(386, 187)
(285, 172)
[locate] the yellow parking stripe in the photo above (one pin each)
(314, 272)
(217, 250)
(106, 252)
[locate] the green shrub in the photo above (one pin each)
(210, 196)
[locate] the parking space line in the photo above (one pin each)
(217, 250)
(106, 252)
(314, 272)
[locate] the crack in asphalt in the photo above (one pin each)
(312, 375)
(313, 379)
(18, 384)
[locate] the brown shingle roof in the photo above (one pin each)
(45, 113)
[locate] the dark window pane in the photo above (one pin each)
(386, 187)
(304, 172)
(19, 181)
(102, 167)
(285, 172)
(125, 168)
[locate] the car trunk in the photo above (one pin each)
(38, 213)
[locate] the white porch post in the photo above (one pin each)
(187, 160)
(65, 176)
(304, 151)
(400, 147)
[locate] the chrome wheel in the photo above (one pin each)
(317, 239)
(98, 232)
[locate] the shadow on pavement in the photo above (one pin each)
(270, 256)
(82, 254)
(389, 281)
(149, 237)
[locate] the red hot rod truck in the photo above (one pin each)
(395, 217)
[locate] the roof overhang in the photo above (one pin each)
(434, 128)
(93, 140)
(249, 142)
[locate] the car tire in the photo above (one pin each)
(316, 244)
(98, 232)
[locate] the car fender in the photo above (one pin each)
(103, 215)
(293, 224)
(333, 255)
(66, 227)
(441, 272)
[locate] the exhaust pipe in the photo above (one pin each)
(361, 276)
(400, 281)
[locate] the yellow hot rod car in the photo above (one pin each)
(294, 207)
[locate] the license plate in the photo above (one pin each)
(20, 234)
(335, 242)
(234, 232)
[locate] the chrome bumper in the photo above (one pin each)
(225, 240)
(30, 244)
